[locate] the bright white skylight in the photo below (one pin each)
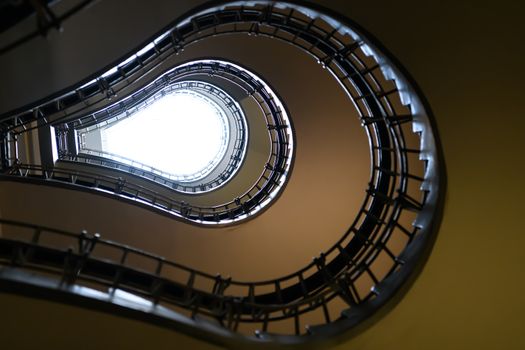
(184, 134)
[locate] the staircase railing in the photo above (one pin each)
(404, 199)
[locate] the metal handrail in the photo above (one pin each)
(23, 255)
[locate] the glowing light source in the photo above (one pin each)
(184, 134)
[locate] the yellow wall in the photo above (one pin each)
(467, 58)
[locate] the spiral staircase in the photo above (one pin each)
(297, 250)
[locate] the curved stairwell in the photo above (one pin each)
(381, 250)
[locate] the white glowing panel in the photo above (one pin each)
(184, 134)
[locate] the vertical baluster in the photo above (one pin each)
(325, 310)
(36, 235)
(296, 321)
